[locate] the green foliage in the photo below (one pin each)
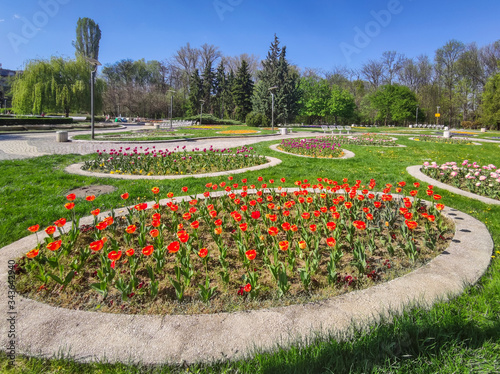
(88, 36)
(209, 119)
(341, 103)
(315, 100)
(491, 103)
(394, 103)
(56, 85)
(255, 119)
(195, 92)
(9, 121)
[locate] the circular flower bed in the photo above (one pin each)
(441, 140)
(234, 249)
(238, 132)
(138, 161)
(481, 180)
(321, 147)
(369, 139)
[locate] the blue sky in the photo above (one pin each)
(318, 33)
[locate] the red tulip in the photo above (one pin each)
(124, 196)
(331, 242)
(60, 222)
(411, 224)
(283, 245)
(33, 228)
(130, 252)
(54, 246)
(184, 189)
(71, 197)
(439, 206)
(306, 215)
(251, 254)
(97, 245)
(437, 197)
(147, 251)
(173, 247)
(114, 255)
(50, 230)
(186, 216)
(248, 287)
(273, 231)
(313, 228)
(131, 229)
(331, 226)
(90, 198)
(69, 206)
(154, 233)
(360, 225)
(95, 212)
(203, 252)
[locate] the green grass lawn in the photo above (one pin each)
(459, 336)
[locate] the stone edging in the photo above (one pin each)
(76, 169)
(347, 154)
(415, 172)
(46, 331)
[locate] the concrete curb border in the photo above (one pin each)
(76, 169)
(347, 154)
(45, 331)
(415, 172)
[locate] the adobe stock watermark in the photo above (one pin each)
(31, 27)
(372, 29)
(224, 6)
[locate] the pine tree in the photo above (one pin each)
(242, 92)
(195, 92)
(277, 73)
(220, 90)
(207, 87)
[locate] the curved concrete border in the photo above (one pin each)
(415, 172)
(77, 169)
(347, 154)
(45, 331)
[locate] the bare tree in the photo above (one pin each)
(392, 63)
(490, 58)
(209, 54)
(187, 58)
(415, 73)
(233, 63)
(373, 71)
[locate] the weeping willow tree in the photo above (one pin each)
(55, 85)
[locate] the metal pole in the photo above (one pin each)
(171, 106)
(201, 112)
(272, 111)
(92, 101)
(416, 117)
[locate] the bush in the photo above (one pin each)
(466, 124)
(257, 120)
(6, 121)
(477, 124)
(208, 119)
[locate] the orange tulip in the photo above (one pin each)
(154, 233)
(54, 246)
(302, 244)
(360, 225)
(203, 252)
(130, 252)
(33, 253)
(155, 190)
(95, 212)
(131, 229)
(284, 245)
(218, 230)
(33, 228)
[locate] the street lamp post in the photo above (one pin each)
(201, 111)
(94, 64)
(437, 115)
(272, 106)
(171, 105)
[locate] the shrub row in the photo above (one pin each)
(471, 125)
(34, 121)
(208, 119)
(255, 119)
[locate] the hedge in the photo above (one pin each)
(6, 121)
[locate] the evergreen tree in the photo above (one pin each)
(229, 105)
(277, 73)
(195, 92)
(242, 92)
(207, 87)
(220, 90)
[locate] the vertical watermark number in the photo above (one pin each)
(11, 313)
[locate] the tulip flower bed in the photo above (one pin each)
(481, 180)
(317, 147)
(249, 246)
(439, 139)
(238, 132)
(368, 139)
(138, 161)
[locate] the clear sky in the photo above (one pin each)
(318, 33)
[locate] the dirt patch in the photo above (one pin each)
(96, 190)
